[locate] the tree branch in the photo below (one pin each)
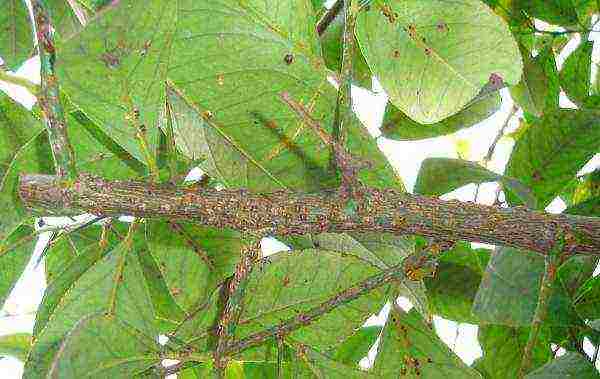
(49, 99)
(290, 213)
(286, 327)
(329, 16)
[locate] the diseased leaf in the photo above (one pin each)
(570, 365)
(397, 125)
(576, 73)
(538, 90)
(503, 348)
(112, 285)
(104, 347)
(551, 150)
(442, 175)
(433, 59)
(410, 348)
(16, 38)
(15, 345)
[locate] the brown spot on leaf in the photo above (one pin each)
(442, 26)
(221, 79)
(288, 59)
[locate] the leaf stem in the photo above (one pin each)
(49, 95)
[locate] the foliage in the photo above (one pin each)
(152, 89)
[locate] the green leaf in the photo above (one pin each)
(570, 365)
(508, 293)
(552, 150)
(16, 39)
(410, 347)
(397, 125)
(193, 259)
(587, 299)
(15, 252)
(205, 52)
(15, 345)
(442, 175)
(113, 284)
(503, 351)
(99, 346)
(357, 346)
(429, 65)
(452, 291)
(462, 254)
(560, 12)
(576, 73)
(538, 90)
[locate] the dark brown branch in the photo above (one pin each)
(329, 16)
(289, 213)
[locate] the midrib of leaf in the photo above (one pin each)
(232, 143)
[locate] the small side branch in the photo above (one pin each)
(553, 260)
(304, 319)
(230, 316)
(52, 110)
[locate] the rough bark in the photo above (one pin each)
(290, 213)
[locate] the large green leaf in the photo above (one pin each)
(552, 149)
(442, 175)
(397, 125)
(570, 365)
(432, 57)
(576, 73)
(509, 290)
(204, 49)
(16, 39)
(104, 347)
(193, 259)
(112, 285)
(15, 345)
(357, 346)
(410, 348)
(538, 90)
(503, 351)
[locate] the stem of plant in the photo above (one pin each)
(49, 99)
(553, 260)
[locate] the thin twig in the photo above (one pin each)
(232, 310)
(49, 99)
(329, 16)
(552, 261)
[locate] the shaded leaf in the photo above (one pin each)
(397, 125)
(430, 67)
(538, 90)
(561, 12)
(104, 347)
(503, 348)
(442, 175)
(15, 345)
(411, 348)
(551, 150)
(112, 285)
(587, 299)
(570, 365)
(576, 73)
(16, 39)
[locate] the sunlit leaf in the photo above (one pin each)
(15, 345)
(433, 59)
(552, 150)
(15, 252)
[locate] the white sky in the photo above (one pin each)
(18, 312)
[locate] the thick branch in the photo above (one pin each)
(50, 103)
(329, 16)
(289, 213)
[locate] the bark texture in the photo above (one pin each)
(290, 213)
